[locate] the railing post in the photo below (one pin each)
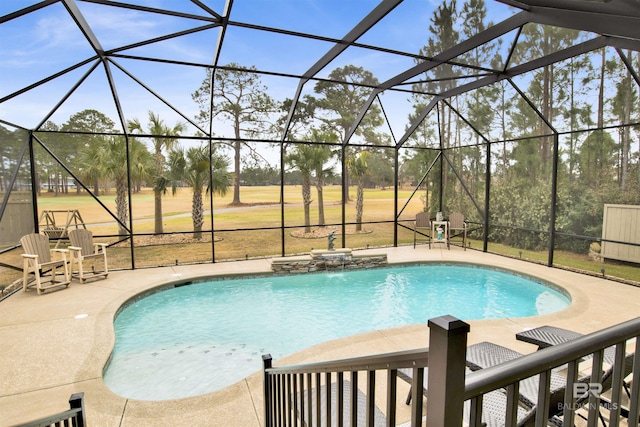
(447, 362)
(76, 401)
(266, 384)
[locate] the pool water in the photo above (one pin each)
(195, 339)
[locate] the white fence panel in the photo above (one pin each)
(621, 223)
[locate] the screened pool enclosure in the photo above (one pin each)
(202, 131)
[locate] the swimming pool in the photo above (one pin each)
(190, 340)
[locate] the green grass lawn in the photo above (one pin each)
(580, 262)
(236, 237)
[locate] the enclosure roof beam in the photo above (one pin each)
(620, 43)
(26, 10)
(572, 51)
(380, 11)
(608, 7)
(215, 18)
(609, 25)
(611, 17)
(82, 24)
(418, 120)
(479, 39)
(555, 57)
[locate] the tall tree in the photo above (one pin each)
(302, 159)
(578, 112)
(381, 167)
(236, 94)
(505, 105)
(481, 103)
(90, 171)
(599, 142)
(301, 119)
(597, 160)
(300, 122)
(359, 169)
(112, 156)
(320, 156)
(10, 144)
(91, 125)
(200, 172)
(163, 137)
(342, 97)
(415, 162)
(443, 77)
(626, 93)
(50, 171)
(547, 89)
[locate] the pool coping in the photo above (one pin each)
(50, 354)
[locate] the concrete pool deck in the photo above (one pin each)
(57, 344)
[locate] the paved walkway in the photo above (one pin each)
(49, 352)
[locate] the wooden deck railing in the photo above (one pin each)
(298, 395)
(73, 417)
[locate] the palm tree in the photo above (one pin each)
(163, 137)
(92, 171)
(358, 170)
(112, 157)
(192, 167)
(319, 156)
(301, 158)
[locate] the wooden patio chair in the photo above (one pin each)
(457, 227)
(38, 259)
(84, 248)
(423, 223)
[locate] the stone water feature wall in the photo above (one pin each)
(327, 260)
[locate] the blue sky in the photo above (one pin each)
(48, 41)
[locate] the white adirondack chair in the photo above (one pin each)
(38, 259)
(83, 248)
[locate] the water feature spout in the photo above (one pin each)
(328, 257)
(331, 238)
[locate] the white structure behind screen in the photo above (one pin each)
(621, 223)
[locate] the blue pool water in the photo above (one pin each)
(196, 339)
